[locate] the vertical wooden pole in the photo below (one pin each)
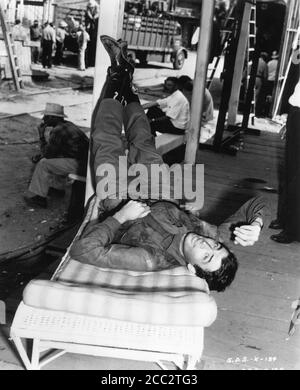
(45, 11)
(48, 11)
(228, 79)
(239, 67)
(193, 134)
(110, 23)
(21, 10)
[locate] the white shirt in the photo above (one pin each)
(48, 33)
(177, 108)
(61, 35)
(272, 66)
(295, 98)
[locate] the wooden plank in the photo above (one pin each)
(167, 142)
(255, 305)
(267, 283)
(238, 335)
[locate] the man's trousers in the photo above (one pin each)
(107, 147)
(52, 173)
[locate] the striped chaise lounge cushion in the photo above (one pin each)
(173, 297)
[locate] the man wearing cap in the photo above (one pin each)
(35, 36)
(64, 150)
(60, 40)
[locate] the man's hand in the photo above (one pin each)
(247, 235)
(132, 211)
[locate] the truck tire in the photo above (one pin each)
(179, 60)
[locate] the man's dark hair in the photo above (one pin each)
(174, 80)
(185, 83)
(223, 277)
(182, 80)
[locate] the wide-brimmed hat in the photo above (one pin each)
(53, 109)
(275, 55)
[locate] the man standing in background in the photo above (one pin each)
(60, 41)
(35, 36)
(260, 83)
(91, 23)
(82, 38)
(48, 39)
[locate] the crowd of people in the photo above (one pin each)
(48, 40)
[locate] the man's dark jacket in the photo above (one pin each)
(152, 243)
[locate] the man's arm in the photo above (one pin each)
(95, 246)
(244, 227)
(146, 106)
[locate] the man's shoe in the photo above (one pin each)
(282, 238)
(275, 225)
(36, 201)
(117, 51)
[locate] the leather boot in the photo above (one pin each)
(117, 51)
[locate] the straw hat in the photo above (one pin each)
(275, 55)
(53, 109)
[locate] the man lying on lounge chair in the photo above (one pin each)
(151, 234)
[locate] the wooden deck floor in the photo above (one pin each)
(254, 313)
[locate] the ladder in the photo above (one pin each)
(291, 39)
(250, 56)
(10, 47)
(227, 32)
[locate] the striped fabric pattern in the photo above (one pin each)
(172, 297)
(168, 308)
(175, 280)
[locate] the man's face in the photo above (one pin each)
(204, 252)
(51, 120)
(170, 87)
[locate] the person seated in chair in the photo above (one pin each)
(64, 150)
(171, 114)
(207, 132)
(150, 234)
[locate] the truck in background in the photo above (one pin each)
(151, 37)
